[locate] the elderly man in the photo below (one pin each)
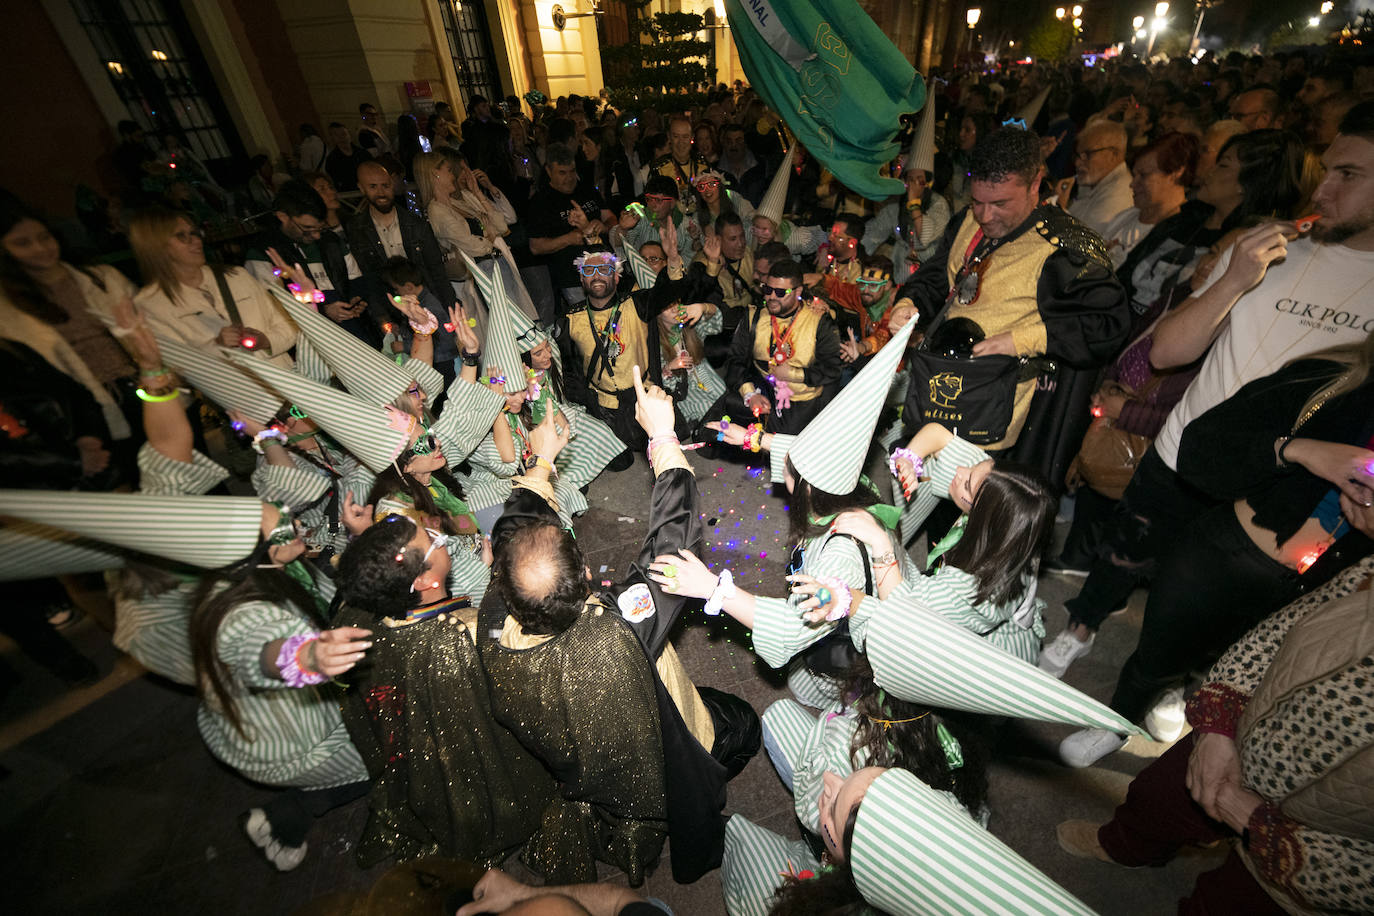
(1257, 108)
(1103, 180)
(681, 163)
(587, 680)
(1036, 283)
(784, 362)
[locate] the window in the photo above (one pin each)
(159, 73)
(469, 44)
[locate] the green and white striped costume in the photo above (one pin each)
(302, 485)
(296, 736)
(154, 628)
(704, 384)
(755, 858)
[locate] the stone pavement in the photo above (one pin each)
(113, 805)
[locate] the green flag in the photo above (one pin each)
(834, 77)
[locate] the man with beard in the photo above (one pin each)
(381, 231)
(784, 363)
(1274, 297)
(1035, 283)
(563, 224)
(875, 299)
(301, 238)
(611, 333)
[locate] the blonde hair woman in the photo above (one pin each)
(470, 215)
(189, 301)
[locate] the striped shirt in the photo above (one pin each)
(302, 485)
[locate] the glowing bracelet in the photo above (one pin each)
(834, 590)
(288, 662)
(161, 398)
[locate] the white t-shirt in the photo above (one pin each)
(1320, 296)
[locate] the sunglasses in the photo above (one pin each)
(604, 270)
(710, 184)
(437, 539)
(777, 292)
(661, 198)
(287, 530)
(425, 445)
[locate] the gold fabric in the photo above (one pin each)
(1008, 301)
(541, 488)
(585, 703)
(634, 337)
(803, 342)
(666, 457)
(736, 295)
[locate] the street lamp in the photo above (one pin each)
(1077, 23)
(974, 14)
(1327, 7)
(1059, 13)
(1078, 11)
(1157, 26)
(1138, 22)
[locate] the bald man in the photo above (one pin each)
(382, 230)
(1103, 187)
(1257, 108)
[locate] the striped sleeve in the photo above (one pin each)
(592, 447)
(827, 750)
(163, 476)
(246, 630)
(310, 363)
(293, 485)
(154, 630)
(754, 860)
(939, 470)
(467, 417)
(711, 324)
(789, 726)
(467, 574)
(490, 481)
(780, 632)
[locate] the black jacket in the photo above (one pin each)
(47, 411)
(421, 249)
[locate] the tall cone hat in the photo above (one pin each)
(830, 452)
(366, 373)
(501, 348)
(915, 851)
(221, 381)
(374, 434)
(29, 550)
(922, 152)
(645, 275)
(205, 531)
(775, 198)
(1032, 109)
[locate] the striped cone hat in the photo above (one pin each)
(221, 381)
(645, 275)
(365, 372)
(775, 198)
(501, 350)
(830, 452)
(29, 550)
(1032, 109)
(951, 668)
(916, 852)
(205, 531)
(485, 283)
(922, 152)
(374, 434)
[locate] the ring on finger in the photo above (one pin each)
(670, 570)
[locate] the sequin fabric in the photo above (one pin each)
(447, 779)
(585, 703)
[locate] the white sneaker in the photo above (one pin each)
(1166, 718)
(1062, 651)
(259, 830)
(285, 858)
(1083, 749)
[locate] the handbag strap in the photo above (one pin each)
(229, 304)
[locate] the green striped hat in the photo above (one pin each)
(374, 434)
(500, 349)
(493, 288)
(365, 372)
(916, 852)
(947, 666)
(205, 531)
(221, 381)
(484, 281)
(645, 275)
(830, 452)
(29, 550)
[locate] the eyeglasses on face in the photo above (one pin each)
(659, 198)
(709, 184)
(655, 259)
(1089, 153)
(777, 292)
(864, 281)
(593, 270)
(310, 232)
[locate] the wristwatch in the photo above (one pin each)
(535, 461)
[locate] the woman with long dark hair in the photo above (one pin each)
(61, 312)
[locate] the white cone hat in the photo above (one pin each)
(205, 531)
(775, 198)
(922, 152)
(365, 372)
(374, 434)
(830, 452)
(29, 550)
(645, 275)
(501, 349)
(221, 381)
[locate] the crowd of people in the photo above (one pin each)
(334, 488)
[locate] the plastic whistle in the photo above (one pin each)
(1304, 224)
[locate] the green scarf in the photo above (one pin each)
(887, 516)
(454, 507)
(876, 310)
(946, 543)
(296, 570)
